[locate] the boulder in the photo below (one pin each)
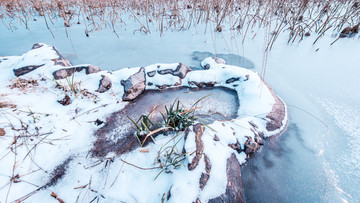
(206, 175)
(26, 69)
(198, 129)
(61, 61)
(234, 191)
(180, 71)
(134, 85)
(276, 116)
(105, 84)
(66, 72)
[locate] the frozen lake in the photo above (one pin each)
(315, 160)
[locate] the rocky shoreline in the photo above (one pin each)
(216, 154)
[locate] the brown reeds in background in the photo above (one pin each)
(298, 18)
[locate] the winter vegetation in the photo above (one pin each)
(204, 126)
(298, 18)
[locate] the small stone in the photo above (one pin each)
(37, 45)
(259, 138)
(250, 146)
(151, 73)
(2, 132)
(207, 67)
(98, 122)
(231, 80)
(219, 60)
(105, 84)
(236, 146)
(65, 101)
(345, 32)
(90, 69)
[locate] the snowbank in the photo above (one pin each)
(46, 145)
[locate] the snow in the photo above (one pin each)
(70, 133)
(323, 82)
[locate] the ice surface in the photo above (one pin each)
(321, 84)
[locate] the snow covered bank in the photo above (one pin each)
(45, 147)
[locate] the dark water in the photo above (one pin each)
(231, 59)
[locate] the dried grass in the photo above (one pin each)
(295, 17)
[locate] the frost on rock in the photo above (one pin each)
(114, 168)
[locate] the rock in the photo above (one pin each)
(199, 131)
(61, 61)
(98, 122)
(236, 146)
(216, 138)
(231, 80)
(151, 73)
(355, 29)
(65, 101)
(207, 66)
(277, 114)
(234, 191)
(250, 146)
(66, 72)
(134, 85)
(26, 69)
(197, 200)
(63, 73)
(307, 34)
(105, 84)
(2, 132)
(180, 71)
(219, 60)
(162, 87)
(203, 84)
(89, 69)
(205, 176)
(37, 45)
(259, 138)
(345, 32)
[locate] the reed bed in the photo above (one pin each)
(297, 18)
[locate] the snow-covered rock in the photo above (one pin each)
(64, 135)
(134, 85)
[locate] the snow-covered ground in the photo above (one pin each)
(316, 160)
